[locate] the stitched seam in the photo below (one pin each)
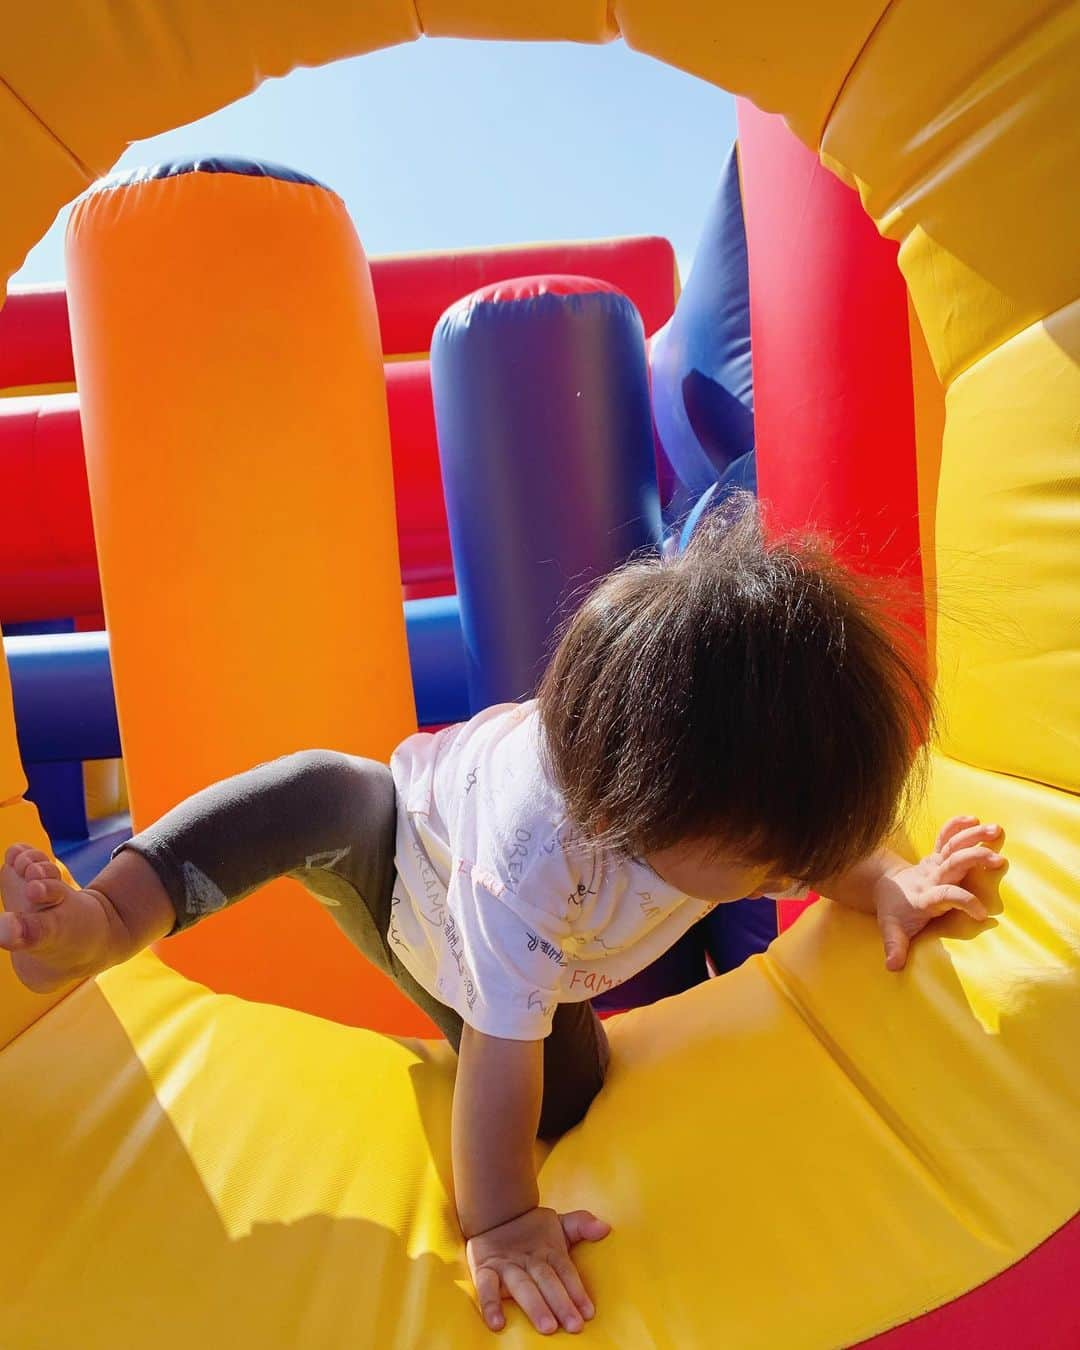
(964, 1209)
(850, 71)
(87, 173)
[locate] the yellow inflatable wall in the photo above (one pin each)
(802, 1153)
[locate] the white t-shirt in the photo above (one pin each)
(500, 909)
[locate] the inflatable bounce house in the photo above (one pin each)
(266, 495)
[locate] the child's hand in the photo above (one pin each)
(528, 1259)
(908, 898)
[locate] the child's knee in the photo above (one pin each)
(330, 766)
(567, 1098)
(344, 789)
(562, 1110)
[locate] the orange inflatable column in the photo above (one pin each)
(234, 412)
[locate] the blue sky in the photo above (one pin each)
(446, 144)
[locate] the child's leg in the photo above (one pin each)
(575, 1063)
(326, 818)
(319, 815)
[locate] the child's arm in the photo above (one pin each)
(906, 896)
(496, 1112)
(513, 1245)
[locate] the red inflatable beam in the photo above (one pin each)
(834, 408)
(412, 291)
(48, 568)
(423, 533)
(50, 571)
(35, 340)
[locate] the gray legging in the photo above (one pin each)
(329, 820)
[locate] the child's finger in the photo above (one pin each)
(556, 1296)
(958, 865)
(970, 837)
(568, 1273)
(951, 827)
(489, 1294)
(943, 898)
(580, 1225)
(895, 940)
(522, 1289)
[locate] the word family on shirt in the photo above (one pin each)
(501, 909)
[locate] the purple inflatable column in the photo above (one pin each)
(545, 437)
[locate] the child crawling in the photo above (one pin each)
(738, 720)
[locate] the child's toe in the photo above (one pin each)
(27, 859)
(40, 928)
(18, 932)
(14, 852)
(22, 860)
(10, 930)
(46, 891)
(39, 870)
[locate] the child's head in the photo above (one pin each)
(746, 701)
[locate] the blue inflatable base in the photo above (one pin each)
(85, 858)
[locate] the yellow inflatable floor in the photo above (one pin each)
(801, 1153)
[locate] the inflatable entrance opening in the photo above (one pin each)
(802, 1152)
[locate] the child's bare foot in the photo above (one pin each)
(55, 933)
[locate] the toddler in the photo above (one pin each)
(739, 720)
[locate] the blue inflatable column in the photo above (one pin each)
(702, 382)
(545, 436)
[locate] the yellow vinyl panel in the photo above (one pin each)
(962, 136)
(251, 1175)
(156, 64)
(1020, 976)
(1008, 558)
(928, 399)
(38, 390)
(105, 787)
(786, 56)
(175, 1217)
(39, 174)
(78, 82)
(524, 21)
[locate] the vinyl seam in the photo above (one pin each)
(981, 1227)
(87, 173)
(850, 71)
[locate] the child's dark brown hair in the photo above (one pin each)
(748, 693)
